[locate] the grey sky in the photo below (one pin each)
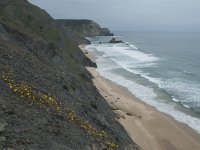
(147, 15)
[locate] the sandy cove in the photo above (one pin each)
(149, 128)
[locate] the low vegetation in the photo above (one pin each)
(42, 99)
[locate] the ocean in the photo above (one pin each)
(160, 68)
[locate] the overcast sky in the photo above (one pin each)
(143, 15)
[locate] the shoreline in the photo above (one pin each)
(147, 127)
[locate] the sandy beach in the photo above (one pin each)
(149, 128)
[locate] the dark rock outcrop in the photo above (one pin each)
(113, 40)
(47, 98)
(3, 125)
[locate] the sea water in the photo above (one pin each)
(160, 68)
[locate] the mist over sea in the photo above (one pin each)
(160, 68)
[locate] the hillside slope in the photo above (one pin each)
(47, 98)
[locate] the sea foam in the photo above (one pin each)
(131, 59)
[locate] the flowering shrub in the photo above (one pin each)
(27, 92)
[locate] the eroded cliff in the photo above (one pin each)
(47, 98)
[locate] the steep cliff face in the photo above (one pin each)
(35, 30)
(85, 27)
(47, 98)
(79, 29)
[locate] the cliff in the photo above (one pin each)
(47, 98)
(85, 27)
(79, 29)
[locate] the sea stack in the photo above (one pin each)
(113, 40)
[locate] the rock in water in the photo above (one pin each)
(113, 40)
